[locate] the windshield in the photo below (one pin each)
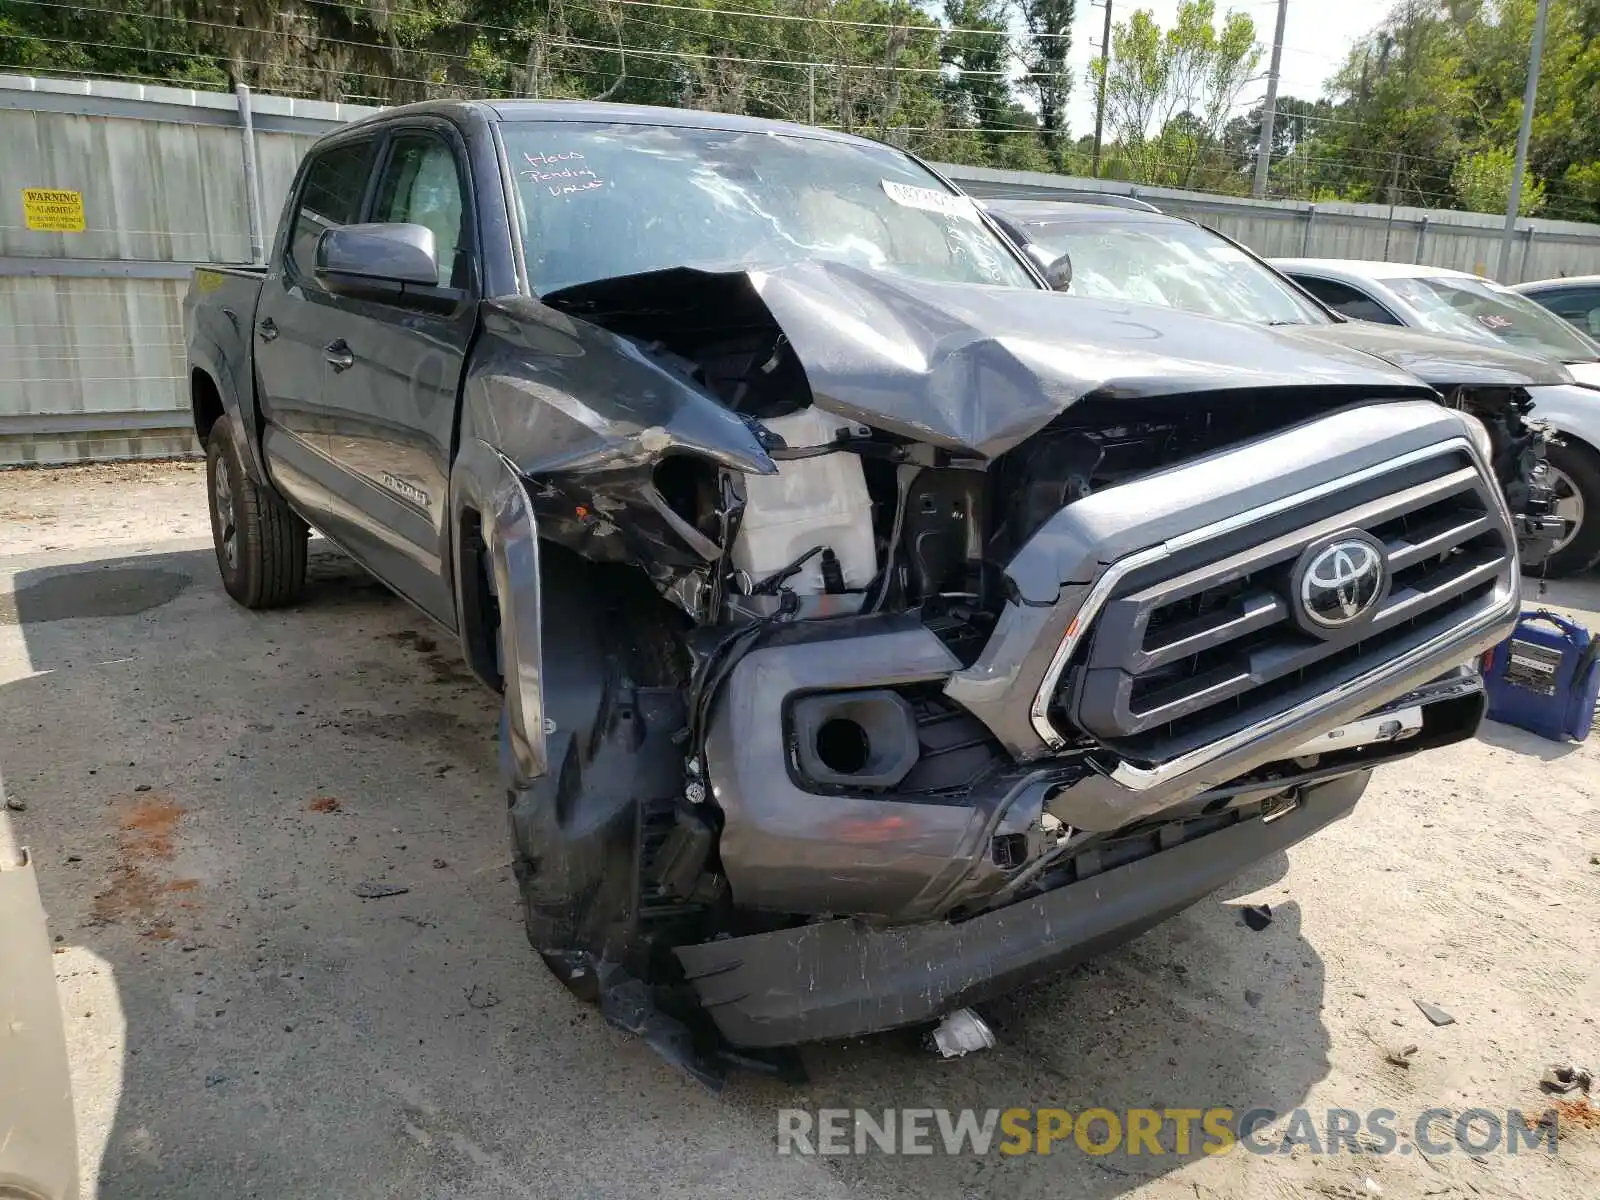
(1174, 264)
(597, 201)
(1487, 312)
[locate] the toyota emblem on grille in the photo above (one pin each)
(1341, 582)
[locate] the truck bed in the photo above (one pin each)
(219, 311)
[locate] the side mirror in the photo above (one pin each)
(378, 261)
(1058, 273)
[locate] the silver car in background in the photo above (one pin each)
(1463, 305)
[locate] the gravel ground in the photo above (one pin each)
(205, 787)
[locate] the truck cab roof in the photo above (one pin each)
(593, 112)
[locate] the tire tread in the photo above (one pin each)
(271, 571)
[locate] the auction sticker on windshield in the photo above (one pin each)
(930, 200)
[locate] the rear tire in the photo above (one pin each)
(260, 543)
(1580, 467)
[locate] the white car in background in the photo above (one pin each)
(1463, 305)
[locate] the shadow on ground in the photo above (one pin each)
(208, 788)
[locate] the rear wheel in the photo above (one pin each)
(1575, 478)
(260, 543)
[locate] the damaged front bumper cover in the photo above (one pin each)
(844, 978)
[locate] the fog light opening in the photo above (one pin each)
(843, 746)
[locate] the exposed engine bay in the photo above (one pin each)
(1520, 443)
(862, 519)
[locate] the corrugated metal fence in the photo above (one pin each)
(91, 339)
(91, 335)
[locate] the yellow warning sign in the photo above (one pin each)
(53, 210)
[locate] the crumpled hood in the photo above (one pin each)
(1442, 362)
(982, 368)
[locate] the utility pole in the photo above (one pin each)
(1269, 113)
(1100, 104)
(811, 93)
(1523, 134)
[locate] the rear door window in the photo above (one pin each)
(335, 183)
(1347, 300)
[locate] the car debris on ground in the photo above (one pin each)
(1563, 1078)
(377, 891)
(1257, 916)
(1434, 1013)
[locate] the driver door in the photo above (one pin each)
(394, 377)
(291, 315)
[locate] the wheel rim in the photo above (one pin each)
(1569, 505)
(222, 503)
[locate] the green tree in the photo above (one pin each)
(1169, 95)
(1482, 183)
(976, 92)
(1440, 82)
(1049, 25)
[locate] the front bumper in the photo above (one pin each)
(843, 978)
(792, 842)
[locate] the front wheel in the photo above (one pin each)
(260, 543)
(1575, 479)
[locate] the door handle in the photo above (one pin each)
(338, 355)
(267, 329)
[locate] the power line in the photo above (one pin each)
(808, 64)
(288, 67)
(347, 6)
(779, 62)
(745, 13)
(308, 37)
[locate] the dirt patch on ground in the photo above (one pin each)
(44, 508)
(140, 893)
(446, 666)
(24, 476)
(323, 804)
(1577, 1113)
(19, 511)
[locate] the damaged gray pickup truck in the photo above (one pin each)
(878, 629)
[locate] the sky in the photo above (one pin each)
(1316, 37)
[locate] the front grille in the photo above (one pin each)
(1212, 638)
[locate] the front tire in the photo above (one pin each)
(260, 543)
(1575, 476)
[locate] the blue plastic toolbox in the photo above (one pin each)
(1545, 680)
